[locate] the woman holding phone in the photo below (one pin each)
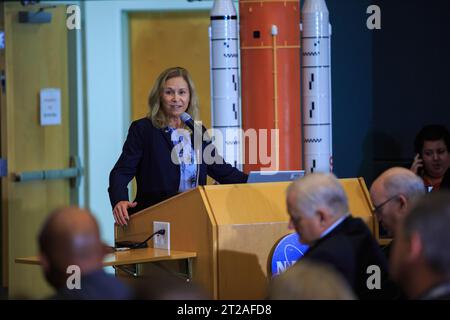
(432, 145)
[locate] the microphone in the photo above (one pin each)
(187, 119)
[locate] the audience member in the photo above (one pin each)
(420, 260)
(310, 281)
(70, 241)
(432, 147)
(318, 209)
(393, 193)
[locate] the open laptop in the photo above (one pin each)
(274, 176)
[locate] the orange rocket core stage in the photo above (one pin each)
(270, 72)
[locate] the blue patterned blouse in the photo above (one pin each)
(181, 140)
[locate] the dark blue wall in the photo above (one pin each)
(411, 63)
(351, 74)
(352, 87)
(386, 83)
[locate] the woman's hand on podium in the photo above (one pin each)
(120, 212)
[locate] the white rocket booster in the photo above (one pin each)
(224, 62)
(316, 83)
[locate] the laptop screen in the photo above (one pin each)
(274, 176)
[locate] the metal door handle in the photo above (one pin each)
(73, 173)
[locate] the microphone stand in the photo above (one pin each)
(198, 167)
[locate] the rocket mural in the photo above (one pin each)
(316, 87)
(272, 64)
(224, 62)
(270, 68)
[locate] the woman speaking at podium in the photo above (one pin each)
(159, 150)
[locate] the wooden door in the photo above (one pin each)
(35, 57)
(160, 40)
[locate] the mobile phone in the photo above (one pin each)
(420, 170)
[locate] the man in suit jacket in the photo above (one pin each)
(420, 260)
(318, 209)
(69, 242)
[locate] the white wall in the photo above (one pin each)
(107, 109)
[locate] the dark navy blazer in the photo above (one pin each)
(146, 155)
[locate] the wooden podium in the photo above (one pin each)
(233, 229)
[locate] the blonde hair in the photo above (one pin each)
(156, 114)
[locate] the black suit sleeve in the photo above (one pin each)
(126, 167)
(336, 254)
(221, 171)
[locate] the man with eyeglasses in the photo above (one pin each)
(392, 195)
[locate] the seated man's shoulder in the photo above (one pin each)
(337, 247)
(358, 232)
(96, 286)
(345, 242)
(356, 224)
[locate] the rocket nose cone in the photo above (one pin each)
(223, 8)
(314, 6)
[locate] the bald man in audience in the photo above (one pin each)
(69, 241)
(393, 194)
(319, 212)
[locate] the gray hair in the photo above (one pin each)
(400, 180)
(430, 218)
(317, 190)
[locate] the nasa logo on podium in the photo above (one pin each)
(287, 252)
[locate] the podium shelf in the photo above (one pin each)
(130, 257)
